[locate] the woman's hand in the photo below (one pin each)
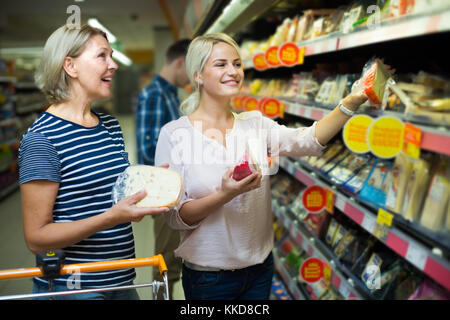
(354, 100)
(232, 188)
(126, 210)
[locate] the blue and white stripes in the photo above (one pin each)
(85, 162)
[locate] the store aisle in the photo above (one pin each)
(14, 253)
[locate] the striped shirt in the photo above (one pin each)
(158, 105)
(85, 161)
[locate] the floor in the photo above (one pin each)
(14, 253)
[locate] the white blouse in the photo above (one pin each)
(239, 234)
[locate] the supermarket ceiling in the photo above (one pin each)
(28, 23)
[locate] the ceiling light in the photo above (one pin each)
(96, 24)
(119, 56)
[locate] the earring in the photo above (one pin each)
(200, 81)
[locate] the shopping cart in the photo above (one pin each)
(50, 266)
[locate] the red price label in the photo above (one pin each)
(288, 54)
(236, 102)
(271, 107)
(311, 270)
(251, 104)
(272, 56)
(259, 61)
(314, 199)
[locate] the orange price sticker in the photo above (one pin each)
(314, 199)
(411, 141)
(236, 102)
(271, 107)
(259, 61)
(311, 270)
(272, 56)
(288, 54)
(250, 104)
(329, 202)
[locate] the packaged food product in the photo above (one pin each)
(355, 184)
(348, 167)
(339, 234)
(447, 222)
(416, 188)
(398, 179)
(372, 272)
(331, 231)
(250, 162)
(163, 186)
(345, 242)
(335, 161)
(375, 188)
(373, 81)
(331, 152)
(437, 197)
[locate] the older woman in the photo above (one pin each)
(69, 160)
(226, 225)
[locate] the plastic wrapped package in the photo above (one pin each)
(304, 24)
(375, 187)
(348, 167)
(355, 184)
(398, 179)
(328, 155)
(437, 197)
(335, 161)
(374, 79)
(163, 186)
(416, 188)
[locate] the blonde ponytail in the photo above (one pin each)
(190, 104)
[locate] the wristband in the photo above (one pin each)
(345, 110)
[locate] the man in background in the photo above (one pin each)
(158, 105)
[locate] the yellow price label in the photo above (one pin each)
(384, 218)
(385, 137)
(355, 133)
(329, 201)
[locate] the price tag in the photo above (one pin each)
(250, 104)
(288, 54)
(384, 217)
(259, 61)
(385, 137)
(411, 141)
(416, 256)
(330, 198)
(381, 231)
(272, 56)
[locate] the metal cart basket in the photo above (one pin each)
(51, 268)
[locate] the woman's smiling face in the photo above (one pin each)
(223, 73)
(95, 68)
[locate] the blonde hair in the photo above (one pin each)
(196, 57)
(50, 77)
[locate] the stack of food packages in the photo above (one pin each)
(421, 98)
(417, 189)
(385, 275)
(312, 24)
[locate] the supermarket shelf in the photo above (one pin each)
(4, 79)
(433, 139)
(289, 281)
(388, 30)
(315, 248)
(405, 246)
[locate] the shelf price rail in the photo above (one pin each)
(310, 244)
(405, 246)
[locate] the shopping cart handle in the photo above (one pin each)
(155, 261)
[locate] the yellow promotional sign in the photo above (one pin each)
(385, 137)
(355, 133)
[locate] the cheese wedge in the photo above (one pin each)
(163, 186)
(375, 80)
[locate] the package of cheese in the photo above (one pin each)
(447, 221)
(398, 178)
(373, 81)
(437, 197)
(251, 161)
(163, 186)
(416, 188)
